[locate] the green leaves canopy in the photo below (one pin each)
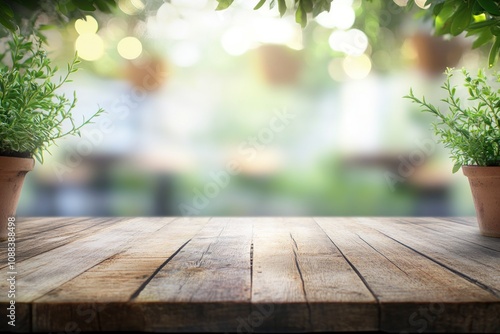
(13, 12)
(302, 7)
(478, 18)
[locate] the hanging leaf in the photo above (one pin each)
(260, 4)
(6, 10)
(307, 5)
(482, 24)
(223, 4)
(83, 5)
(7, 22)
(484, 37)
(105, 6)
(301, 15)
(442, 15)
(460, 20)
(495, 48)
(490, 6)
(282, 7)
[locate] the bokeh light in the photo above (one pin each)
(336, 70)
(421, 4)
(401, 3)
(129, 47)
(131, 7)
(88, 25)
(341, 16)
(353, 42)
(185, 54)
(207, 81)
(235, 41)
(89, 47)
(357, 67)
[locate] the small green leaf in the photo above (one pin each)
(282, 7)
(483, 38)
(490, 6)
(493, 56)
(307, 5)
(460, 20)
(482, 24)
(84, 5)
(456, 167)
(6, 10)
(260, 4)
(223, 4)
(317, 9)
(495, 30)
(7, 22)
(437, 9)
(105, 6)
(442, 21)
(47, 26)
(301, 16)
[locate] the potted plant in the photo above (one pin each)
(472, 133)
(32, 115)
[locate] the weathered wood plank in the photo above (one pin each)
(45, 272)
(41, 224)
(451, 228)
(31, 243)
(112, 282)
(276, 284)
(210, 276)
(122, 274)
(470, 221)
(452, 249)
(257, 274)
(32, 227)
(337, 298)
(405, 282)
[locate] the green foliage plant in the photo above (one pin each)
(302, 7)
(477, 18)
(14, 12)
(471, 128)
(32, 112)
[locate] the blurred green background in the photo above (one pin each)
(241, 112)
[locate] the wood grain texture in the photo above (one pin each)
(44, 272)
(255, 275)
(407, 284)
(470, 255)
(35, 239)
(300, 274)
(118, 278)
(211, 273)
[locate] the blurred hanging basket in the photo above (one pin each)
(148, 73)
(435, 54)
(278, 64)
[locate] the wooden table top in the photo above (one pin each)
(253, 274)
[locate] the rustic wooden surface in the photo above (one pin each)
(254, 275)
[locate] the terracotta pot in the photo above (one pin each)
(435, 54)
(485, 186)
(148, 74)
(278, 64)
(12, 172)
